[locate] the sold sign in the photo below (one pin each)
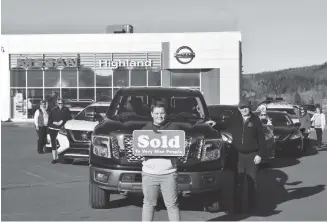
(159, 143)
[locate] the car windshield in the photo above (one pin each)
(288, 111)
(279, 119)
(137, 107)
(88, 114)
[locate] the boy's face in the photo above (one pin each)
(158, 115)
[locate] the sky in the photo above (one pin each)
(276, 34)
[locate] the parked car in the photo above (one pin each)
(74, 137)
(287, 133)
(114, 169)
(281, 105)
(224, 115)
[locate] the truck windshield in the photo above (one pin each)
(137, 107)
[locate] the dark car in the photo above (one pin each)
(225, 116)
(287, 134)
(115, 169)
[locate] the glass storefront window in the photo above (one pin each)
(17, 77)
(86, 93)
(69, 77)
(51, 78)
(103, 78)
(18, 103)
(138, 77)
(103, 94)
(68, 94)
(86, 77)
(121, 77)
(154, 78)
(51, 95)
(35, 78)
(190, 78)
(34, 96)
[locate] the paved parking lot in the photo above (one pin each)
(34, 189)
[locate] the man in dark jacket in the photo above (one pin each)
(250, 145)
(58, 117)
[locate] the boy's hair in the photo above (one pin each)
(157, 104)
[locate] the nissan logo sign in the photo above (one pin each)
(184, 55)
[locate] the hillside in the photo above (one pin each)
(310, 83)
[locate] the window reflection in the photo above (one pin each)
(185, 78)
(86, 77)
(121, 77)
(17, 77)
(103, 94)
(69, 77)
(154, 78)
(138, 77)
(86, 93)
(68, 94)
(35, 78)
(103, 78)
(51, 78)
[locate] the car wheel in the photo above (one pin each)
(99, 198)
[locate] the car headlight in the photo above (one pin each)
(226, 138)
(101, 146)
(63, 131)
(211, 149)
(296, 136)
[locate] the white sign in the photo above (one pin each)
(160, 143)
(114, 64)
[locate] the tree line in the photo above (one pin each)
(304, 85)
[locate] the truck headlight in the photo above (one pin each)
(211, 150)
(101, 146)
(226, 138)
(296, 136)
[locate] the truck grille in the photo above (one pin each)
(128, 142)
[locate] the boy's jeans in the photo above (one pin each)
(151, 185)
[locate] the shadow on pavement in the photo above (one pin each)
(274, 189)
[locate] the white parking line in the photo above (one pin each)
(33, 174)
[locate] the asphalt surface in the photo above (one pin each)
(34, 189)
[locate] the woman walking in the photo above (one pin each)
(319, 122)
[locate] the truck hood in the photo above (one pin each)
(80, 125)
(109, 126)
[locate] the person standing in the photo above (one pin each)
(41, 119)
(58, 117)
(319, 122)
(160, 173)
(305, 122)
(251, 146)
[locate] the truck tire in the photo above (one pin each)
(99, 198)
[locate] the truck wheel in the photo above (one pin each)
(99, 198)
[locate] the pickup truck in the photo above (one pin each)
(114, 169)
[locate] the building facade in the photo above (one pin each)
(95, 66)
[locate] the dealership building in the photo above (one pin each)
(95, 66)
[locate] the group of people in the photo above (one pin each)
(160, 173)
(316, 122)
(49, 121)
